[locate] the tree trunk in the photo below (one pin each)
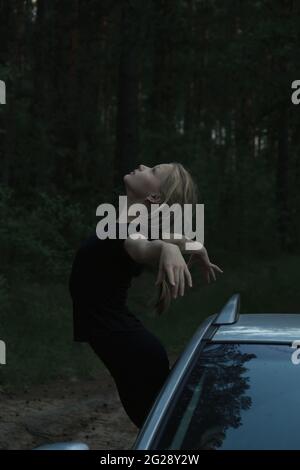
(127, 135)
(282, 177)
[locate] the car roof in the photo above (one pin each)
(260, 327)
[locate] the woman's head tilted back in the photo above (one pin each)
(165, 183)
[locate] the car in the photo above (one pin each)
(63, 446)
(234, 387)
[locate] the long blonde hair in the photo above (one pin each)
(178, 187)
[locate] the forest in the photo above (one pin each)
(95, 88)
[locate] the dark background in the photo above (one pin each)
(96, 87)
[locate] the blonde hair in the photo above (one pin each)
(178, 187)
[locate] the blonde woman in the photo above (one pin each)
(101, 276)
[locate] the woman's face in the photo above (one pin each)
(146, 181)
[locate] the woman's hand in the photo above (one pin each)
(173, 266)
(207, 267)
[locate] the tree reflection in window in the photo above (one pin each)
(212, 400)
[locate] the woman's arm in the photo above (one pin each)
(143, 251)
(198, 254)
(186, 245)
(165, 256)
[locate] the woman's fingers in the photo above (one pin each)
(207, 267)
(216, 267)
(191, 261)
(171, 276)
(177, 280)
(182, 283)
(188, 276)
(177, 275)
(159, 277)
(213, 274)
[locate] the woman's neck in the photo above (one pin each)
(124, 214)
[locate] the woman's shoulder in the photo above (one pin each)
(93, 249)
(93, 242)
(90, 241)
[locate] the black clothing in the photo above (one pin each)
(101, 275)
(139, 364)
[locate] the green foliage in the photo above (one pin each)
(38, 239)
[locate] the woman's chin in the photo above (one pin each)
(128, 176)
(126, 180)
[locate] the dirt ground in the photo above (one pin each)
(89, 411)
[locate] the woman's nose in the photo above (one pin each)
(142, 167)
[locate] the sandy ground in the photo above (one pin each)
(87, 411)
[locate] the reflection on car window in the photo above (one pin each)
(237, 396)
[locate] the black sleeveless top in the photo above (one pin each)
(101, 274)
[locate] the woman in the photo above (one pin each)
(101, 276)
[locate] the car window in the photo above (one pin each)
(236, 396)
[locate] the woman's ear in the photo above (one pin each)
(153, 198)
